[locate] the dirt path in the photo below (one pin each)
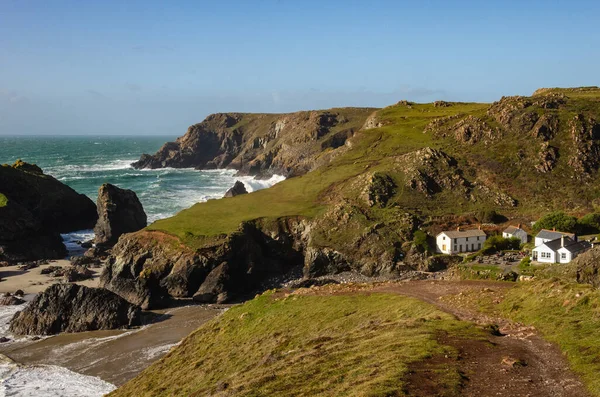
(520, 363)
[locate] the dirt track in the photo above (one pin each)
(520, 363)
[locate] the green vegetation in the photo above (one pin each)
(565, 313)
(498, 243)
(420, 241)
(589, 224)
(300, 345)
(558, 220)
(3, 200)
(525, 267)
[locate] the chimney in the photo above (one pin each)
(479, 227)
(553, 229)
(458, 229)
(519, 226)
(562, 240)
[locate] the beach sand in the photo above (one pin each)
(32, 281)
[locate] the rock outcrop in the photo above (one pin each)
(587, 267)
(119, 212)
(37, 210)
(149, 268)
(74, 308)
(237, 189)
(261, 144)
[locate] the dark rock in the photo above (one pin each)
(378, 189)
(119, 212)
(214, 285)
(311, 282)
(77, 273)
(39, 208)
(85, 261)
(87, 244)
(52, 270)
(20, 293)
(4, 339)
(74, 308)
(10, 300)
(322, 261)
(237, 189)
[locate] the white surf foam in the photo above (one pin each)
(253, 185)
(6, 314)
(65, 170)
(49, 381)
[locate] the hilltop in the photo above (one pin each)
(357, 206)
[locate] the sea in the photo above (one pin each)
(84, 163)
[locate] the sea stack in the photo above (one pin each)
(237, 189)
(119, 212)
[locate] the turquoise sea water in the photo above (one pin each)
(85, 163)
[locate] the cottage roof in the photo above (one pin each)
(464, 233)
(569, 244)
(552, 235)
(513, 230)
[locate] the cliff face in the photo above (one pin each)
(261, 144)
(38, 208)
(412, 167)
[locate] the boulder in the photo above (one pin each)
(74, 308)
(237, 189)
(10, 300)
(214, 287)
(36, 210)
(119, 212)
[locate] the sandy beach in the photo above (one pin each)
(32, 281)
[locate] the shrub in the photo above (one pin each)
(558, 220)
(490, 216)
(499, 243)
(420, 241)
(589, 224)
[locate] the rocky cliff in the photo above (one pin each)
(261, 144)
(412, 167)
(119, 212)
(37, 209)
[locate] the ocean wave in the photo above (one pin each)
(48, 380)
(253, 185)
(67, 170)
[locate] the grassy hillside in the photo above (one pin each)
(3, 200)
(302, 345)
(493, 152)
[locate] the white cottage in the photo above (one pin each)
(515, 231)
(456, 241)
(560, 250)
(545, 236)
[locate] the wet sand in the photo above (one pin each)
(32, 281)
(114, 356)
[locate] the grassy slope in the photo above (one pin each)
(3, 200)
(567, 314)
(305, 346)
(374, 150)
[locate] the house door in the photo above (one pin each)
(534, 255)
(460, 248)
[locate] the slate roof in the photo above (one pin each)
(552, 235)
(512, 230)
(570, 245)
(464, 233)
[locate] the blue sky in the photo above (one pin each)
(154, 67)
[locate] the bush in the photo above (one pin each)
(589, 224)
(499, 243)
(420, 241)
(490, 216)
(558, 220)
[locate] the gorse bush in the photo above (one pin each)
(498, 243)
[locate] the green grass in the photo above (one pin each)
(377, 150)
(3, 200)
(334, 345)
(567, 314)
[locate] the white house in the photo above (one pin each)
(456, 241)
(545, 236)
(561, 250)
(515, 231)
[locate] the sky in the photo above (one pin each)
(156, 67)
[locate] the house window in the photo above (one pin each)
(479, 246)
(444, 237)
(460, 248)
(467, 238)
(563, 255)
